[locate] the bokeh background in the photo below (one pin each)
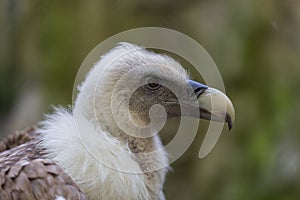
(255, 44)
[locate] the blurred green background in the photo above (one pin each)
(255, 44)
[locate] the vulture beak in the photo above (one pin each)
(213, 104)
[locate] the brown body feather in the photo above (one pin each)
(18, 138)
(27, 174)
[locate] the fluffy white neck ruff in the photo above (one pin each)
(94, 153)
(92, 158)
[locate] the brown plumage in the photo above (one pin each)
(25, 172)
(17, 138)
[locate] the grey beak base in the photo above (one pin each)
(197, 87)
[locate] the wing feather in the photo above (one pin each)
(26, 173)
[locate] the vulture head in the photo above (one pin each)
(132, 91)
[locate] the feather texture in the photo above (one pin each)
(25, 173)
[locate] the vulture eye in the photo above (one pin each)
(153, 83)
(154, 86)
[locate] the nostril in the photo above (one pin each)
(199, 91)
(197, 87)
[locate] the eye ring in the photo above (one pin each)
(153, 83)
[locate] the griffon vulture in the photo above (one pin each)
(106, 146)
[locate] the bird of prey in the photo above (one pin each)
(106, 146)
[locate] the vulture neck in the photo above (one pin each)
(101, 117)
(137, 140)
